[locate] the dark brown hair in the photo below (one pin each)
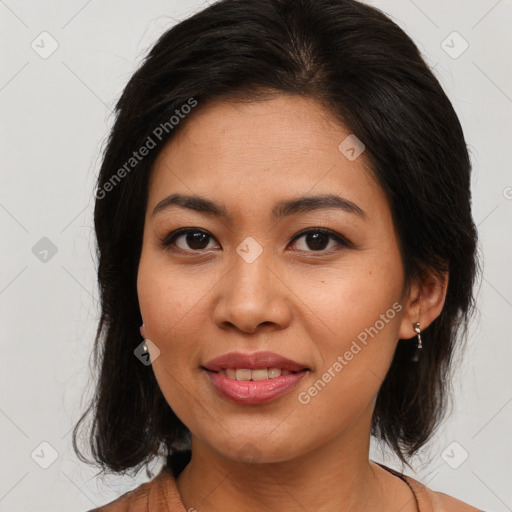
(367, 72)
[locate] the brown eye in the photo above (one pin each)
(196, 240)
(316, 240)
(188, 240)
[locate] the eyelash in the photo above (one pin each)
(169, 240)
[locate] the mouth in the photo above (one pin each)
(256, 378)
(257, 374)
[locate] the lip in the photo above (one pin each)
(253, 361)
(251, 392)
(254, 392)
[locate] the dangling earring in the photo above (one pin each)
(143, 334)
(418, 332)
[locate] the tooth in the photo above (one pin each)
(243, 374)
(285, 372)
(260, 374)
(231, 373)
(222, 372)
(274, 372)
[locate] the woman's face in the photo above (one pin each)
(246, 279)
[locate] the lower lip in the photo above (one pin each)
(255, 392)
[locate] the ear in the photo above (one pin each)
(424, 302)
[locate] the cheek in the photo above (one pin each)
(360, 314)
(351, 298)
(363, 316)
(169, 299)
(170, 307)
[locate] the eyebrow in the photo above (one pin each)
(279, 211)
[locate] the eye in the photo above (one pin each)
(195, 240)
(317, 238)
(190, 239)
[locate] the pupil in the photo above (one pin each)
(316, 243)
(196, 240)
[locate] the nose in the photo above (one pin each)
(251, 297)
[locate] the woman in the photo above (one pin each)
(284, 211)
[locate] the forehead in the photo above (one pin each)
(251, 153)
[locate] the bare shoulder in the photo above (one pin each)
(131, 501)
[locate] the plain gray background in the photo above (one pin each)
(55, 112)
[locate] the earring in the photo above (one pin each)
(418, 332)
(143, 334)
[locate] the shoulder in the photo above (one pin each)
(449, 503)
(157, 494)
(429, 500)
(132, 501)
(432, 501)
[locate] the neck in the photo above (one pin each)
(336, 475)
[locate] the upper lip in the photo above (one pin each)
(253, 361)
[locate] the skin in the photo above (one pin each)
(304, 301)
